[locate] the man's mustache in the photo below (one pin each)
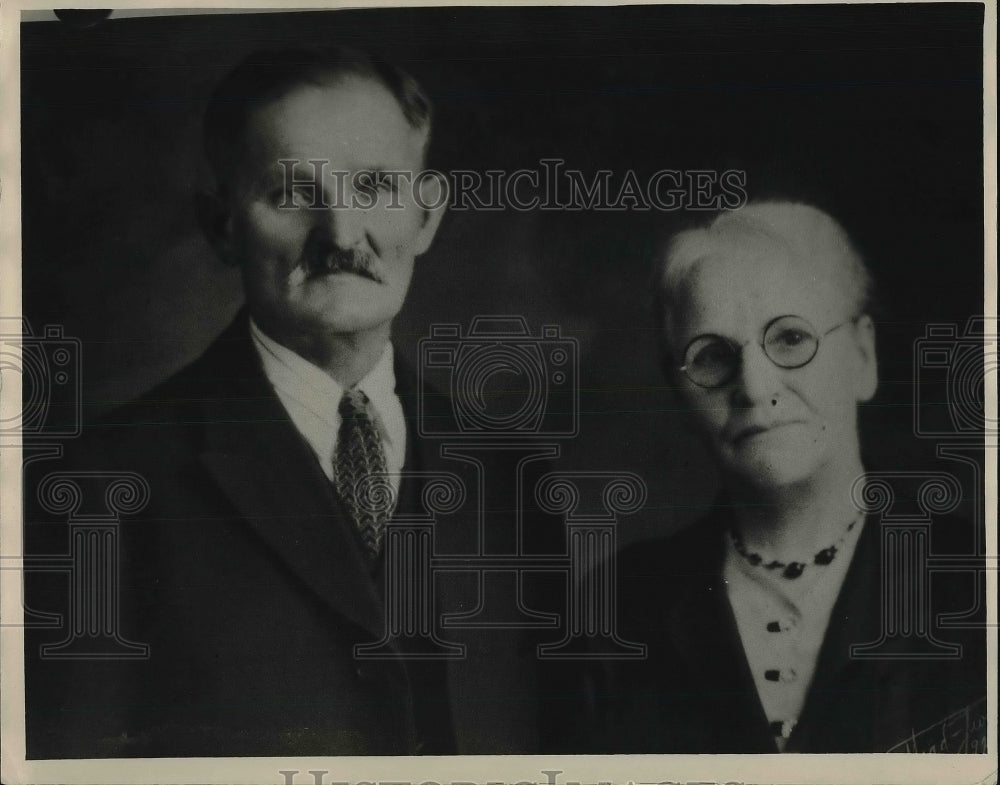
(331, 260)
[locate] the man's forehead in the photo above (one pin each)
(351, 120)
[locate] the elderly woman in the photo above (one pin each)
(749, 615)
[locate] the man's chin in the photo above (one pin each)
(346, 323)
(351, 313)
(343, 294)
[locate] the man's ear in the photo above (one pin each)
(432, 197)
(867, 370)
(214, 218)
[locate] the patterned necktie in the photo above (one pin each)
(359, 454)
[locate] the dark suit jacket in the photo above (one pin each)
(246, 579)
(695, 692)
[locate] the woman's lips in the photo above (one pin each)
(750, 431)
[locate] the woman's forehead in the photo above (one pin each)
(741, 283)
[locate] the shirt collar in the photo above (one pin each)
(315, 390)
(379, 384)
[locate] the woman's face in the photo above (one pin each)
(770, 426)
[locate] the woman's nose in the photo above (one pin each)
(757, 381)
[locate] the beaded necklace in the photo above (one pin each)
(792, 569)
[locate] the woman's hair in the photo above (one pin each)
(806, 232)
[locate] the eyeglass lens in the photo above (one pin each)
(789, 342)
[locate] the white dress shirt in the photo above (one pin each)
(782, 623)
(312, 398)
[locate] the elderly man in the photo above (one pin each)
(257, 568)
(750, 614)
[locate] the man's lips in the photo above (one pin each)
(319, 267)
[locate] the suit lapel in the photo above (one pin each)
(269, 473)
(466, 679)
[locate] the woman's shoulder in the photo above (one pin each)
(695, 546)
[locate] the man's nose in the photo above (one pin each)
(343, 226)
(758, 379)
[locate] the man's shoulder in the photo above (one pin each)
(175, 409)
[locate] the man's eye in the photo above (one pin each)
(291, 197)
(373, 181)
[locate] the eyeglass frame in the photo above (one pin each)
(738, 349)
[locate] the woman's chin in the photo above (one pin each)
(772, 472)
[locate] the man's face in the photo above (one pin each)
(771, 426)
(311, 270)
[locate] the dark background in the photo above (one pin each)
(871, 112)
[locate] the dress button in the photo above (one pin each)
(786, 675)
(783, 728)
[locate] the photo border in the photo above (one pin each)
(465, 769)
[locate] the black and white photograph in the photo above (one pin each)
(488, 394)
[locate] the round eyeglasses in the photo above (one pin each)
(789, 342)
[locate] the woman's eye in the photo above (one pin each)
(713, 354)
(790, 337)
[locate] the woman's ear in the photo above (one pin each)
(214, 218)
(866, 377)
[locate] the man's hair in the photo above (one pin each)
(269, 75)
(805, 231)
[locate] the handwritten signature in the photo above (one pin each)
(963, 731)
